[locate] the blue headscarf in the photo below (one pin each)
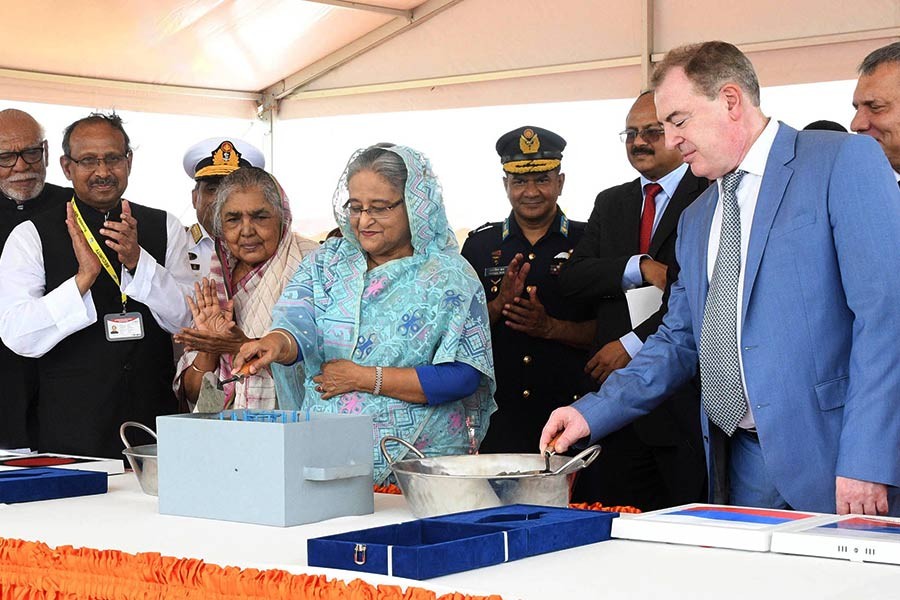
(428, 308)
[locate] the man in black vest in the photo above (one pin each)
(91, 288)
(629, 242)
(23, 194)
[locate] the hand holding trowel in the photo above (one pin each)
(211, 398)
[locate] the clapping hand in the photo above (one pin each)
(528, 315)
(88, 263)
(123, 237)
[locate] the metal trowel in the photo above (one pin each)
(211, 398)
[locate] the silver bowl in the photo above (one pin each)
(446, 484)
(142, 459)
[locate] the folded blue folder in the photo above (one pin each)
(27, 485)
(461, 541)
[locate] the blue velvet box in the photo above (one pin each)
(27, 485)
(461, 541)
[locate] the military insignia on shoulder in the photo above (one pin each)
(481, 228)
(196, 233)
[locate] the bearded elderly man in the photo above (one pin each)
(629, 242)
(787, 296)
(92, 289)
(23, 194)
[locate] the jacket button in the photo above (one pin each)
(526, 393)
(531, 256)
(526, 360)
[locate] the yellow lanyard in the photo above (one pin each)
(92, 242)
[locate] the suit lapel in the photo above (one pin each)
(631, 217)
(703, 224)
(684, 195)
(771, 192)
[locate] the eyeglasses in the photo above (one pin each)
(650, 134)
(376, 212)
(29, 155)
(90, 163)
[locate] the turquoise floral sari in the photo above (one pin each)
(428, 308)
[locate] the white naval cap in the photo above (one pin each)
(219, 156)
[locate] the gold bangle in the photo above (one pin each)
(194, 367)
(287, 336)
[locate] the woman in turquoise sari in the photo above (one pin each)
(389, 319)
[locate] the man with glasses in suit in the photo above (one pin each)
(629, 242)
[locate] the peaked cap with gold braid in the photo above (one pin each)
(217, 157)
(530, 150)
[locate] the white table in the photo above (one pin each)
(126, 519)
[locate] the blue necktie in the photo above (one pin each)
(720, 372)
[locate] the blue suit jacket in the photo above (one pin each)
(821, 320)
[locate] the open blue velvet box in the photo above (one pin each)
(459, 542)
(27, 485)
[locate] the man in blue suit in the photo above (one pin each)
(788, 297)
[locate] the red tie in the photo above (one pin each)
(650, 192)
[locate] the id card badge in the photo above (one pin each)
(122, 327)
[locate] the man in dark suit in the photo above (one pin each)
(630, 242)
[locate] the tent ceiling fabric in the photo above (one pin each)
(219, 57)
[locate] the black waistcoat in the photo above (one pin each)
(18, 393)
(89, 386)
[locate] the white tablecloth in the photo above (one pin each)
(127, 520)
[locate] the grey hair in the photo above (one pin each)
(876, 58)
(246, 179)
(709, 66)
(381, 161)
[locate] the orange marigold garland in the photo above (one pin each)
(33, 570)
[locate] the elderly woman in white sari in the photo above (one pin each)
(257, 254)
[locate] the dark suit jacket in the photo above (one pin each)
(594, 275)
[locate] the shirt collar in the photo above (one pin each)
(755, 161)
(669, 181)
(560, 224)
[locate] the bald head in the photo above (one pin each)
(22, 178)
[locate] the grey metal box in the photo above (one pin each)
(271, 473)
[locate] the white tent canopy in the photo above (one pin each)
(238, 58)
(304, 79)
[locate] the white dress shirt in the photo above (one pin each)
(200, 252)
(33, 320)
(632, 276)
(754, 165)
